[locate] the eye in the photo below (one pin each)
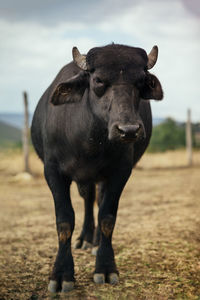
(99, 86)
(98, 80)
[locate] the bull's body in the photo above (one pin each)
(73, 136)
(82, 141)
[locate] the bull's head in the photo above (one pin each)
(115, 79)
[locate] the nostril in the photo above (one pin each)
(121, 129)
(137, 129)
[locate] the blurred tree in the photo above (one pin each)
(168, 135)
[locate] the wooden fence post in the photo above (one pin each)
(26, 134)
(189, 137)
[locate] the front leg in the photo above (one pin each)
(106, 270)
(100, 196)
(62, 276)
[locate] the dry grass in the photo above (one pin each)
(156, 239)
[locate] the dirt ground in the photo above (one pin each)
(156, 238)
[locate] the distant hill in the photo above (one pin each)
(9, 134)
(15, 119)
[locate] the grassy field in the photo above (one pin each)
(156, 238)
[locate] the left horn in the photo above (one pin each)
(152, 57)
(80, 60)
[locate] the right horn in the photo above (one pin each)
(152, 57)
(80, 60)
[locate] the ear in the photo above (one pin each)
(70, 91)
(152, 88)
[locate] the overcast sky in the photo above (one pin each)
(36, 40)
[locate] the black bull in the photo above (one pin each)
(91, 126)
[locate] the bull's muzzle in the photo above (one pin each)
(130, 133)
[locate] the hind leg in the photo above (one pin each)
(85, 239)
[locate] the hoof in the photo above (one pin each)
(52, 287)
(78, 243)
(94, 251)
(86, 245)
(67, 286)
(113, 278)
(99, 278)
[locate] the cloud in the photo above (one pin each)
(52, 12)
(31, 55)
(193, 6)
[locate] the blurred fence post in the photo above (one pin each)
(26, 134)
(189, 137)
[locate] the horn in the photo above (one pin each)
(80, 60)
(152, 57)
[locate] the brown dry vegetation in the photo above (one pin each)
(156, 238)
